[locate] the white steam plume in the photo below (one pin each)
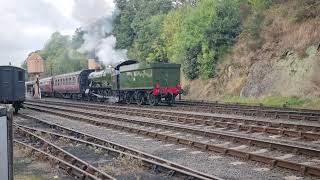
(107, 51)
(96, 16)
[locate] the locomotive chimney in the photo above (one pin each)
(93, 62)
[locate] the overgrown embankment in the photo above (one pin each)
(276, 59)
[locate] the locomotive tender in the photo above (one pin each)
(12, 86)
(129, 82)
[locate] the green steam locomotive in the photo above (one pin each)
(133, 82)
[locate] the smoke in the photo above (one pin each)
(106, 51)
(88, 12)
(96, 17)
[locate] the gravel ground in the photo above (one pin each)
(215, 164)
(219, 142)
(28, 168)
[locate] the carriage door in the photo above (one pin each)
(6, 78)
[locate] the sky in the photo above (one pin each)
(26, 25)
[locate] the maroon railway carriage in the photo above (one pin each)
(72, 85)
(46, 87)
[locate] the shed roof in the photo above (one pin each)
(34, 56)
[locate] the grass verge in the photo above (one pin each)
(275, 101)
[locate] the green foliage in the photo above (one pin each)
(256, 22)
(148, 44)
(196, 34)
(212, 26)
(60, 57)
(77, 39)
(190, 63)
(260, 5)
(133, 17)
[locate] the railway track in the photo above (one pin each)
(303, 131)
(161, 167)
(268, 158)
(251, 110)
(45, 150)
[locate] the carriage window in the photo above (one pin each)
(20, 76)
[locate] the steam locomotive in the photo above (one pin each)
(128, 82)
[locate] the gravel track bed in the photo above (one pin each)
(265, 137)
(118, 167)
(255, 118)
(177, 109)
(211, 163)
(193, 137)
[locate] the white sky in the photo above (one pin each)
(26, 25)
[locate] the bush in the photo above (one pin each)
(309, 9)
(260, 5)
(190, 64)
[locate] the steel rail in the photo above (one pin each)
(287, 129)
(289, 113)
(161, 168)
(303, 168)
(258, 106)
(57, 151)
(112, 146)
(66, 166)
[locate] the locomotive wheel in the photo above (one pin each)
(153, 100)
(128, 98)
(140, 99)
(170, 99)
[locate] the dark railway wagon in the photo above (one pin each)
(12, 86)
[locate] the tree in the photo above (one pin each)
(194, 33)
(59, 55)
(133, 16)
(77, 39)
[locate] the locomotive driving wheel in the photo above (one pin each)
(128, 98)
(170, 99)
(153, 100)
(140, 98)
